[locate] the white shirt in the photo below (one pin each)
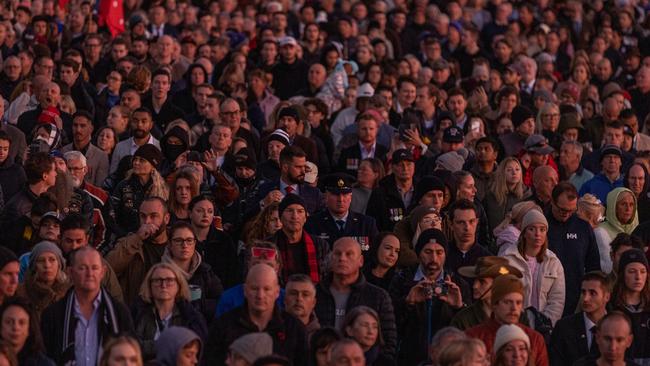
(365, 154)
(283, 187)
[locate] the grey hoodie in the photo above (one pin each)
(171, 342)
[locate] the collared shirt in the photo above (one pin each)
(134, 146)
(365, 154)
(588, 325)
(283, 188)
(406, 196)
(86, 335)
(419, 275)
(344, 218)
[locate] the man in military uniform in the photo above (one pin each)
(336, 220)
(388, 202)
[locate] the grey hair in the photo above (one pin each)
(75, 155)
(576, 145)
(447, 332)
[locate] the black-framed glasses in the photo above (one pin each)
(183, 241)
(167, 281)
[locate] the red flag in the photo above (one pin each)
(111, 14)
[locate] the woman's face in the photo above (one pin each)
(504, 126)
(513, 173)
(364, 330)
(183, 244)
(388, 251)
(580, 74)
(323, 355)
(202, 214)
(164, 285)
(551, 119)
(142, 167)
(365, 175)
(635, 277)
(430, 221)
(15, 327)
(480, 357)
(188, 355)
(625, 208)
(197, 76)
(106, 140)
(183, 192)
(535, 235)
(47, 267)
(274, 224)
(374, 74)
(515, 353)
(123, 355)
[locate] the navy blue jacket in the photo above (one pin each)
(350, 158)
(386, 205)
(363, 228)
(575, 245)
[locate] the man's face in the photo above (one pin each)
(545, 185)
(141, 124)
(139, 49)
(293, 218)
(404, 170)
(611, 164)
(406, 94)
(50, 95)
(348, 355)
(221, 138)
(118, 51)
(613, 338)
(569, 156)
(45, 67)
(72, 239)
(295, 170)
(464, 226)
(274, 149)
(231, 115)
(261, 293)
(288, 53)
(422, 99)
(50, 177)
(131, 100)
(457, 105)
(338, 204)
(316, 76)
(160, 86)
(153, 212)
(367, 131)
(300, 299)
(211, 110)
(9, 279)
(613, 136)
(481, 287)
(201, 95)
(346, 258)
(564, 208)
(508, 309)
(485, 153)
(432, 259)
(289, 125)
(12, 68)
(49, 229)
(82, 129)
(87, 271)
(593, 296)
(4, 150)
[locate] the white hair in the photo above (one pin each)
(75, 155)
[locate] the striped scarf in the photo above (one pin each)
(310, 250)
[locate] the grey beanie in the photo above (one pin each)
(171, 341)
(252, 346)
(46, 247)
(452, 161)
(533, 217)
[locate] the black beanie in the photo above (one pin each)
(426, 184)
(428, 236)
(631, 256)
(6, 256)
(149, 153)
(180, 133)
(520, 114)
(288, 200)
(289, 112)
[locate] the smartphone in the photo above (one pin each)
(194, 156)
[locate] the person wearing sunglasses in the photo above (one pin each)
(205, 286)
(164, 302)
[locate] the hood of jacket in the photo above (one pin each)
(613, 225)
(171, 342)
(194, 263)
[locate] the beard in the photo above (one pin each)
(139, 133)
(296, 179)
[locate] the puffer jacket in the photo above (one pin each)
(551, 286)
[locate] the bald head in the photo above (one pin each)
(543, 172)
(261, 289)
(346, 257)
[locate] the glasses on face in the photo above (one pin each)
(160, 281)
(229, 114)
(183, 241)
(266, 253)
(76, 168)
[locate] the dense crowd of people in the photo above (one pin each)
(324, 183)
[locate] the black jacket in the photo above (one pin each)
(569, 341)
(575, 245)
(362, 293)
(411, 319)
(211, 289)
(12, 178)
(288, 79)
(350, 158)
(126, 200)
(168, 112)
(386, 205)
(288, 333)
(56, 316)
(146, 323)
(219, 251)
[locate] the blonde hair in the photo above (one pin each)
(114, 342)
(591, 206)
(516, 214)
(183, 287)
(158, 186)
(460, 352)
(499, 186)
(68, 103)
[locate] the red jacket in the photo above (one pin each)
(487, 331)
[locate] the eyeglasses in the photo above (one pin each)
(187, 241)
(228, 114)
(266, 253)
(167, 281)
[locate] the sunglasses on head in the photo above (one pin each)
(265, 253)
